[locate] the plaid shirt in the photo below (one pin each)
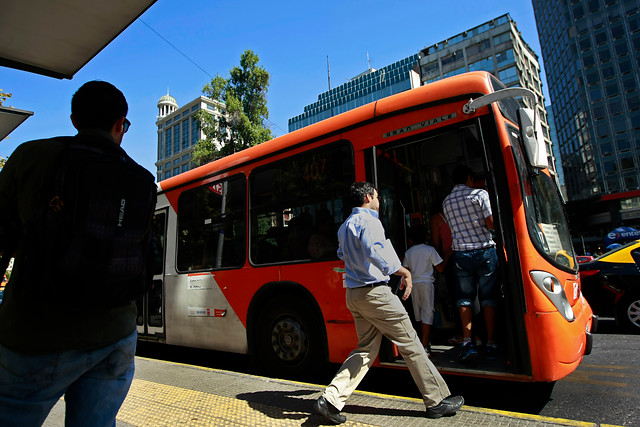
(465, 209)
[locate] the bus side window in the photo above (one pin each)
(297, 205)
(211, 226)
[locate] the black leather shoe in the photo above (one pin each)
(328, 411)
(446, 408)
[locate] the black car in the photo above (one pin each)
(611, 285)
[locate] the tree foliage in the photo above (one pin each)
(242, 124)
(4, 96)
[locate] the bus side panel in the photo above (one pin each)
(342, 339)
(239, 286)
(327, 285)
(208, 309)
(198, 314)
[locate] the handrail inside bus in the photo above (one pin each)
(473, 104)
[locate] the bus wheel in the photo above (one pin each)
(289, 338)
(628, 312)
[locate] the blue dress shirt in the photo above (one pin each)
(368, 256)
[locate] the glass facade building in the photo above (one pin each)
(591, 50)
(495, 46)
(556, 150)
(360, 90)
(178, 132)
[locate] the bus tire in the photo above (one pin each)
(289, 338)
(628, 312)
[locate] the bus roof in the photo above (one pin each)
(461, 86)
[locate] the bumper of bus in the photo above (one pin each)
(558, 346)
(590, 332)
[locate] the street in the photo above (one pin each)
(606, 386)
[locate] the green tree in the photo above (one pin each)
(242, 124)
(4, 96)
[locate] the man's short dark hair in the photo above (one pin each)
(418, 234)
(461, 173)
(358, 192)
(99, 105)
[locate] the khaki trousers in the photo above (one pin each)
(377, 312)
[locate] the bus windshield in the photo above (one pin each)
(544, 211)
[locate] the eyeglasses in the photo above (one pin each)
(126, 125)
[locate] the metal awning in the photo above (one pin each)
(11, 118)
(57, 38)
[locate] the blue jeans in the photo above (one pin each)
(94, 384)
(475, 272)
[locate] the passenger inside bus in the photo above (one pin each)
(414, 176)
(323, 242)
(445, 281)
(468, 213)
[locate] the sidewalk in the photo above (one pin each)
(171, 394)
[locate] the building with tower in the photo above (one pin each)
(179, 131)
(591, 51)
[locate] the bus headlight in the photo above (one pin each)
(553, 289)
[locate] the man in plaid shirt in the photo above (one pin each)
(468, 212)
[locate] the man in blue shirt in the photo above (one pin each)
(369, 260)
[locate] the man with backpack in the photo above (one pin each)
(76, 216)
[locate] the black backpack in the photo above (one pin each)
(89, 244)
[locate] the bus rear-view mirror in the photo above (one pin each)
(531, 133)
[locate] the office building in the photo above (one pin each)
(553, 135)
(591, 51)
(366, 87)
(179, 131)
(495, 46)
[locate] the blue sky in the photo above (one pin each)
(292, 39)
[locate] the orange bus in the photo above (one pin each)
(246, 245)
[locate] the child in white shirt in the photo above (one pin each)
(421, 259)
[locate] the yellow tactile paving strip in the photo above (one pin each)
(162, 394)
(170, 394)
(153, 404)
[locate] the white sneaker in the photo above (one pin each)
(427, 349)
